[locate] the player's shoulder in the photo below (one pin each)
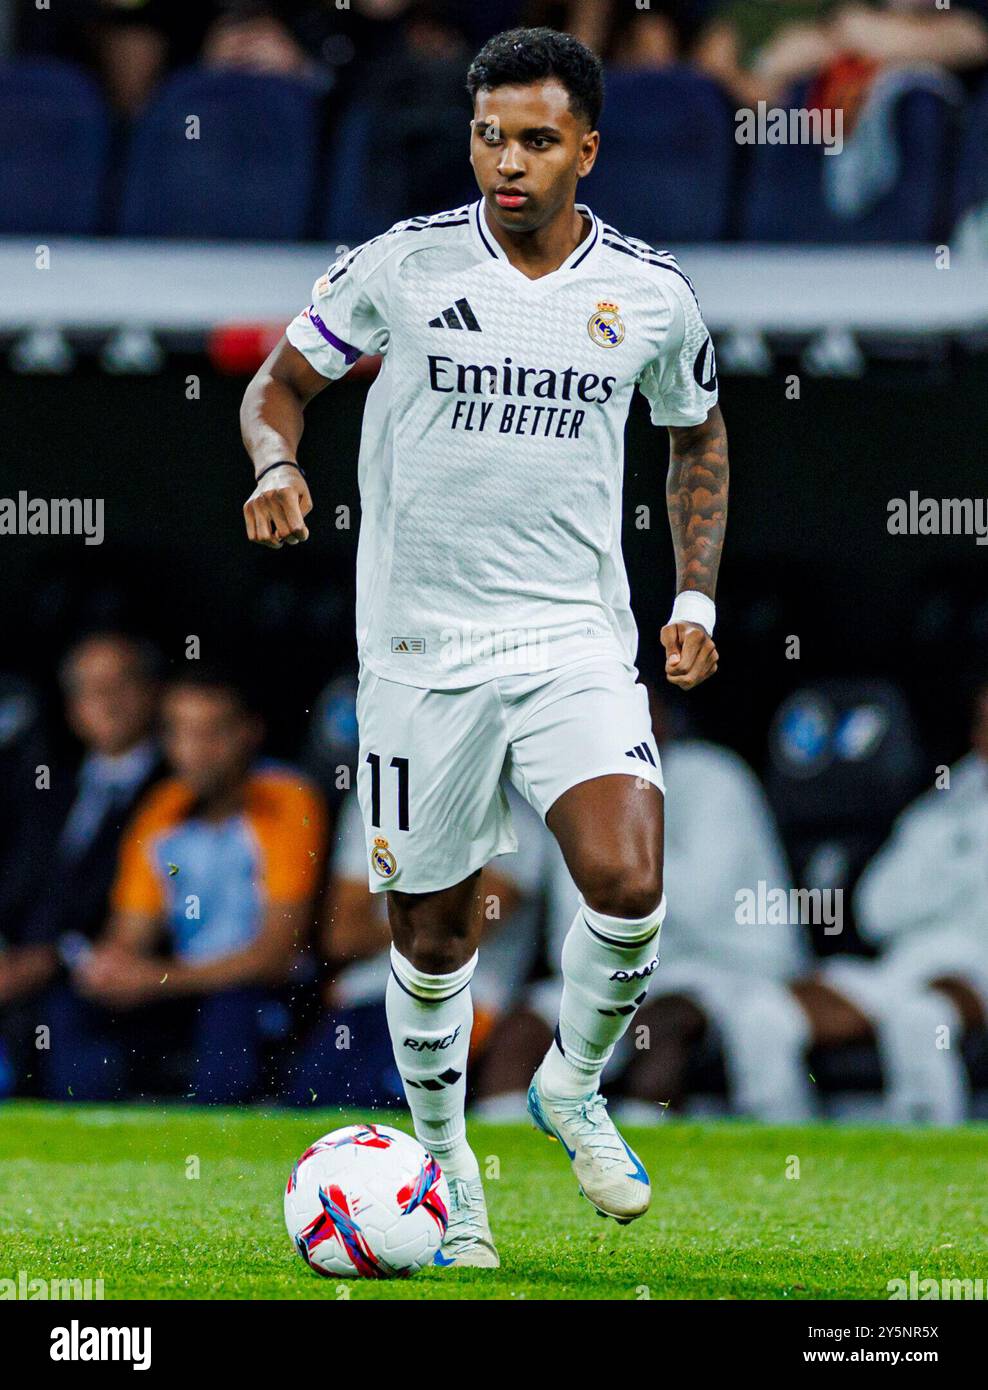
(390, 247)
(634, 256)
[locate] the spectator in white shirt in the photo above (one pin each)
(923, 901)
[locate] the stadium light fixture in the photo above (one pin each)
(744, 352)
(42, 351)
(132, 351)
(833, 353)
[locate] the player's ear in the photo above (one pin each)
(589, 146)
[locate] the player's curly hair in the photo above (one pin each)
(520, 56)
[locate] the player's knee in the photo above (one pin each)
(434, 955)
(623, 890)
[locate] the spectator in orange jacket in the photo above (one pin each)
(210, 907)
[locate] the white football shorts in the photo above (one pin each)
(431, 762)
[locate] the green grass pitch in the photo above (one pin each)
(93, 1192)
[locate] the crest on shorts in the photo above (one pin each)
(382, 860)
(605, 326)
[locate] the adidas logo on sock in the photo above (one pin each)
(446, 1078)
(449, 318)
(624, 1009)
(641, 750)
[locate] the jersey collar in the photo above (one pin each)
(490, 247)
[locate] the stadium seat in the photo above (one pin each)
(844, 761)
(667, 157)
(249, 171)
(784, 199)
(381, 171)
(971, 185)
(55, 135)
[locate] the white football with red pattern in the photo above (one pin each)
(366, 1202)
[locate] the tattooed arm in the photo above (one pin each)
(696, 494)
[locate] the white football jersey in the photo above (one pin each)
(492, 453)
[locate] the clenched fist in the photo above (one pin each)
(274, 512)
(690, 654)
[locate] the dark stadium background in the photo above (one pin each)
(808, 551)
(235, 228)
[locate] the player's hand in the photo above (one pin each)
(274, 512)
(117, 978)
(690, 654)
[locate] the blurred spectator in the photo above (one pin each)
(758, 49)
(333, 742)
(129, 42)
(60, 864)
(210, 908)
(24, 750)
(924, 902)
(720, 838)
(347, 1060)
(903, 33)
(134, 43)
(624, 34)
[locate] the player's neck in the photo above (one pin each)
(544, 249)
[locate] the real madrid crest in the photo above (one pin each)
(606, 327)
(382, 859)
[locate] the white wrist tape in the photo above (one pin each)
(693, 607)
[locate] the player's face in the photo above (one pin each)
(109, 703)
(209, 740)
(528, 151)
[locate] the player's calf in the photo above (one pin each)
(430, 1018)
(607, 964)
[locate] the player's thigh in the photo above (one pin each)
(583, 753)
(427, 782)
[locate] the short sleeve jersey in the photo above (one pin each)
(492, 451)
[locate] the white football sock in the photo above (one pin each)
(607, 964)
(430, 1018)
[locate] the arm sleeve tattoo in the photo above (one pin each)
(696, 495)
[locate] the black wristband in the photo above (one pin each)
(285, 463)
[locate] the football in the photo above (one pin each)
(366, 1202)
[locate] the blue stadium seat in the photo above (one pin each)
(971, 186)
(358, 207)
(382, 170)
(666, 159)
(784, 199)
(54, 134)
(251, 172)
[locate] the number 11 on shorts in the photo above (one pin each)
(401, 767)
